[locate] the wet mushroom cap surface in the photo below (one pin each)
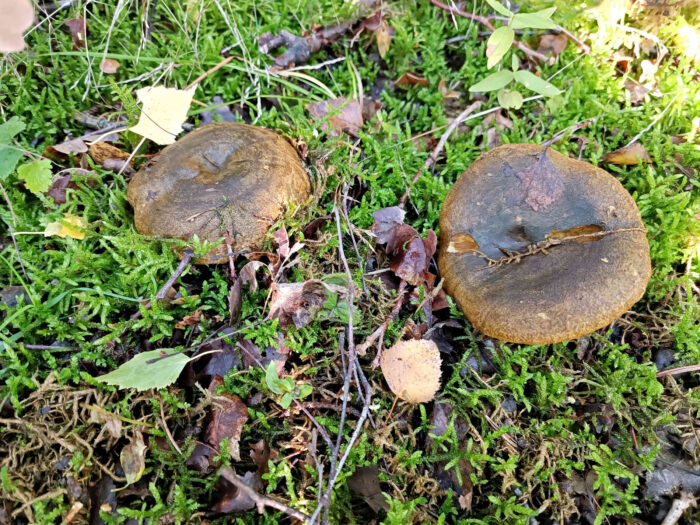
(222, 176)
(538, 248)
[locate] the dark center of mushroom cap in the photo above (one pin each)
(538, 248)
(222, 177)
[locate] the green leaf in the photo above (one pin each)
(147, 370)
(36, 175)
(288, 384)
(10, 128)
(538, 20)
(509, 98)
(9, 158)
(499, 8)
(535, 83)
(305, 390)
(286, 400)
(493, 82)
(514, 62)
(498, 45)
(272, 379)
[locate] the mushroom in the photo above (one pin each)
(222, 177)
(538, 248)
(412, 370)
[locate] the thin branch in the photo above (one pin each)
(260, 500)
(678, 507)
(653, 122)
(208, 72)
(678, 371)
(167, 430)
(486, 23)
(184, 263)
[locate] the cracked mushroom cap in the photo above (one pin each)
(223, 176)
(538, 248)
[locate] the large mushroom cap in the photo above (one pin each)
(538, 248)
(223, 176)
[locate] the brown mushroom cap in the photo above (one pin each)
(223, 176)
(412, 370)
(538, 248)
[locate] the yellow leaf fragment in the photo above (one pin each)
(69, 226)
(629, 155)
(383, 38)
(163, 111)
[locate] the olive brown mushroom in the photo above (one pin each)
(222, 177)
(538, 248)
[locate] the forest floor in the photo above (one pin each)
(602, 429)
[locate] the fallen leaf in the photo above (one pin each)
(502, 121)
(153, 369)
(163, 112)
(228, 416)
(69, 226)
(445, 91)
(552, 44)
(297, 303)
(348, 120)
(15, 17)
(412, 370)
(541, 184)
(112, 424)
(78, 32)
(102, 152)
(109, 66)
(628, 155)
(411, 79)
(71, 146)
(133, 458)
(260, 454)
(233, 499)
(235, 296)
(372, 23)
(384, 34)
(649, 70)
(190, 320)
(60, 183)
(365, 482)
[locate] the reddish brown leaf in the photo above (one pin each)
(372, 23)
(445, 91)
(365, 482)
(233, 499)
(78, 31)
(190, 320)
(348, 119)
(73, 146)
(411, 79)
(552, 44)
(260, 454)
(312, 227)
(636, 91)
(109, 66)
(628, 155)
(228, 415)
(541, 184)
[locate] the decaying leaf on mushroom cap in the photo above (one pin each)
(538, 248)
(223, 176)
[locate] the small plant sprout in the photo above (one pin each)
(497, 47)
(286, 387)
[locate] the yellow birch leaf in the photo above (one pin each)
(70, 226)
(163, 111)
(383, 38)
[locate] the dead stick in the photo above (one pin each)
(679, 371)
(209, 72)
(485, 22)
(260, 500)
(184, 263)
(438, 149)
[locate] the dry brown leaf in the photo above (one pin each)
(629, 155)
(163, 111)
(78, 32)
(411, 79)
(101, 151)
(15, 17)
(541, 184)
(412, 370)
(552, 44)
(73, 146)
(109, 66)
(349, 119)
(446, 92)
(636, 91)
(133, 458)
(190, 320)
(365, 482)
(228, 416)
(297, 303)
(383, 38)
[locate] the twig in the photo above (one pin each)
(73, 512)
(208, 72)
(229, 252)
(49, 347)
(184, 263)
(330, 406)
(260, 500)
(583, 47)
(167, 430)
(651, 124)
(679, 371)
(378, 334)
(438, 149)
(485, 22)
(678, 507)
(19, 256)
